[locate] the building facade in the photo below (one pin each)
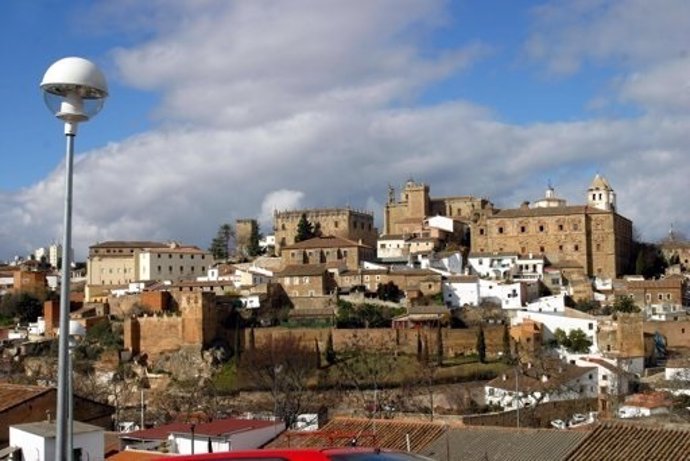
(116, 264)
(339, 222)
(594, 235)
(334, 251)
(414, 206)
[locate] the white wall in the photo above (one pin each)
(245, 440)
(493, 266)
(509, 294)
(552, 304)
(580, 387)
(461, 293)
(552, 322)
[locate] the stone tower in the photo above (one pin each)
(601, 195)
(243, 234)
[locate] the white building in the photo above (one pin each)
(612, 380)
(665, 312)
(492, 265)
(215, 436)
(465, 290)
(393, 247)
(530, 268)
(37, 441)
(568, 321)
(554, 304)
(173, 263)
(532, 386)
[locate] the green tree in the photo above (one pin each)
(330, 349)
(625, 304)
(586, 305)
(220, 245)
(439, 345)
(578, 341)
(650, 261)
(481, 345)
(305, 229)
(388, 292)
(24, 306)
(575, 342)
(253, 249)
(507, 350)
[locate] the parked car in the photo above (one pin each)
(578, 418)
(559, 424)
(306, 454)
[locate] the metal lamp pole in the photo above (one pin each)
(74, 90)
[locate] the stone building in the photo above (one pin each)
(676, 249)
(339, 222)
(668, 290)
(408, 213)
(594, 235)
(334, 251)
(244, 228)
(115, 264)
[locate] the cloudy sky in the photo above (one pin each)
(226, 109)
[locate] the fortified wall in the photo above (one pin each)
(198, 322)
(456, 342)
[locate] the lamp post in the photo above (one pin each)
(74, 90)
(76, 333)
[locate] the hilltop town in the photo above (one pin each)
(547, 328)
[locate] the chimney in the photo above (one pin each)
(524, 205)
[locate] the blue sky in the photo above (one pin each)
(224, 109)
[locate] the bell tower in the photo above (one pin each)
(601, 195)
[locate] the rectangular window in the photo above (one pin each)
(560, 227)
(576, 247)
(523, 229)
(500, 229)
(481, 231)
(541, 228)
(159, 269)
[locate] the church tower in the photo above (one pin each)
(601, 195)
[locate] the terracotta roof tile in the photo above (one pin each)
(16, 394)
(386, 433)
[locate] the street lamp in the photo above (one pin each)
(74, 90)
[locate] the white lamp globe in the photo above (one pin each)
(74, 89)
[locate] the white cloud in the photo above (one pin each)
(279, 200)
(267, 107)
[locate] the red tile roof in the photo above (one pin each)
(16, 394)
(383, 433)
(213, 428)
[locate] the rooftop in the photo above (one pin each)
(383, 433)
(48, 429)
(634, 442)
(505, 444)
(324, 242)
(16, 394)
